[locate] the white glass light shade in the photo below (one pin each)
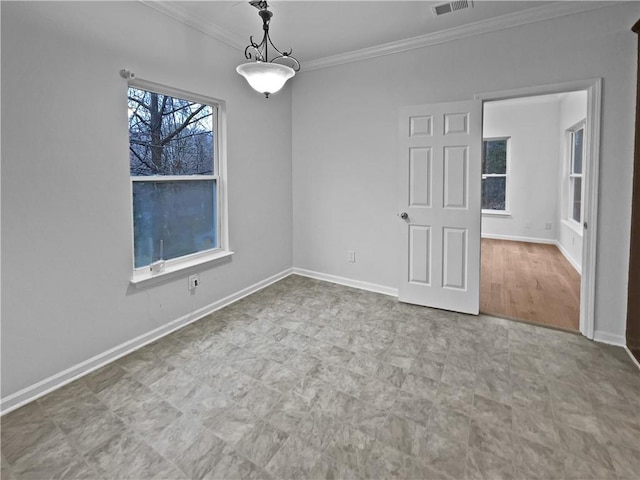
(265, 77)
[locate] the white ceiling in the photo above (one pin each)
(320, 30)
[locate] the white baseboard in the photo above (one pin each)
(546, 241)
(611, 339)
(599, 336)
(512, 238)
(371, 287)
(37, 390)
(570, 259)
(633, 358)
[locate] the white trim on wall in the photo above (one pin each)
(591, 170)
(533, 15)
(37, 390)
(179, 13)
(608, 338)
(495, 236)
(602, 337)
(564, 252)
(633, 358)
(546, 241)
(348, 282)
(33, 392)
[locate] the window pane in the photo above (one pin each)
(577, 199)
(169, 136)
(494, 158)
(172, 219)
(577, 150)
(493, 193)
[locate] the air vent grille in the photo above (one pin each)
(449, 7)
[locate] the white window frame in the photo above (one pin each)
(576, 224)
(506, 211)
(174, 267)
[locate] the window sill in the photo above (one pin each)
(575, 226)
(144, 278)
(496, 213)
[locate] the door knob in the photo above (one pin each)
(404, 215)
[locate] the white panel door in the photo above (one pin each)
(439, 209)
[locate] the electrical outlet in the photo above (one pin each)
(547, 226)
(527, 224)
(351, 256)
(194, 281)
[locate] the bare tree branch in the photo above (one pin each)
(135, 114)
(183, 107)
(142, 160)
(139, 102)
(184, 125)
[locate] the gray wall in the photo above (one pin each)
(66, 199)
(345, 123)
(532, 125)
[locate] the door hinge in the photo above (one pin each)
(584, 225)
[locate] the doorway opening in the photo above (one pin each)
(536, 198)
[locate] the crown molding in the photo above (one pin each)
(533, 15)
(177, 12)
(537, 14)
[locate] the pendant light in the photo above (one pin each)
(263, 75)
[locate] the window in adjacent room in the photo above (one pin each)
(495, 152)
(175, 166)
(576, 143)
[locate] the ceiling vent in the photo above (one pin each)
(449, 7)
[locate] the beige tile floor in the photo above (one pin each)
(307, 379)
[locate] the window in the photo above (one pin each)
(175, 169)
(494, 174)
(576, 143)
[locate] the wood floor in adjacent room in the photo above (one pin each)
(529, 281)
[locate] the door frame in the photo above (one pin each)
(593, 87)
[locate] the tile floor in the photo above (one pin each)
(307, 379)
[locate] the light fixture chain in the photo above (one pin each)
(261, 50)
